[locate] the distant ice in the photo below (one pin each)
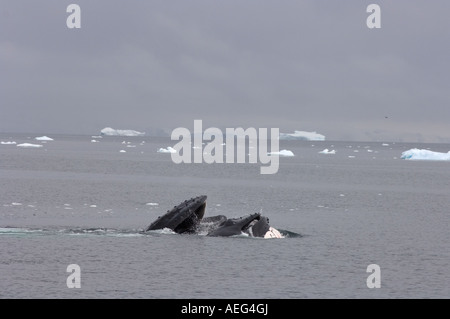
(122, 151)
(43, 138)
(326, 151)
(8, 143)
(282, 153)
(152, 204)
(28, 145)
(167, 150)
(303, 136)
(113, 132)
(94, 141)
(421, 154)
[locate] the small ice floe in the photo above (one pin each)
(286, 153)
(93, 206)
(16, 204)
(421, 154)
(94, 141)
(327, 151)
(152, 204)
(351, 156)
(8, 143)
(385, 144)
(29, 145)
(122, 151)
(43, 138)
(167, 150)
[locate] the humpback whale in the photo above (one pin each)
(183, 218)
(236, 226)
(187, 218)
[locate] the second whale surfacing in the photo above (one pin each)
(187, 218)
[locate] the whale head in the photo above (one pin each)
(183, 218)
(236, 226)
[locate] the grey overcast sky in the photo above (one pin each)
(309, 65)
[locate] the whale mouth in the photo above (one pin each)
(236, 226)
(183, 218)
(189, 225)
(244, 223)
(252, 221)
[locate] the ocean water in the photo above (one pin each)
(77, 202)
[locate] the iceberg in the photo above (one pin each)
(282, 153)
(302, 136)
(112, 132)
(43, 138)
(326, 151)
(167, 150)
(421, 154)
(28, 145)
